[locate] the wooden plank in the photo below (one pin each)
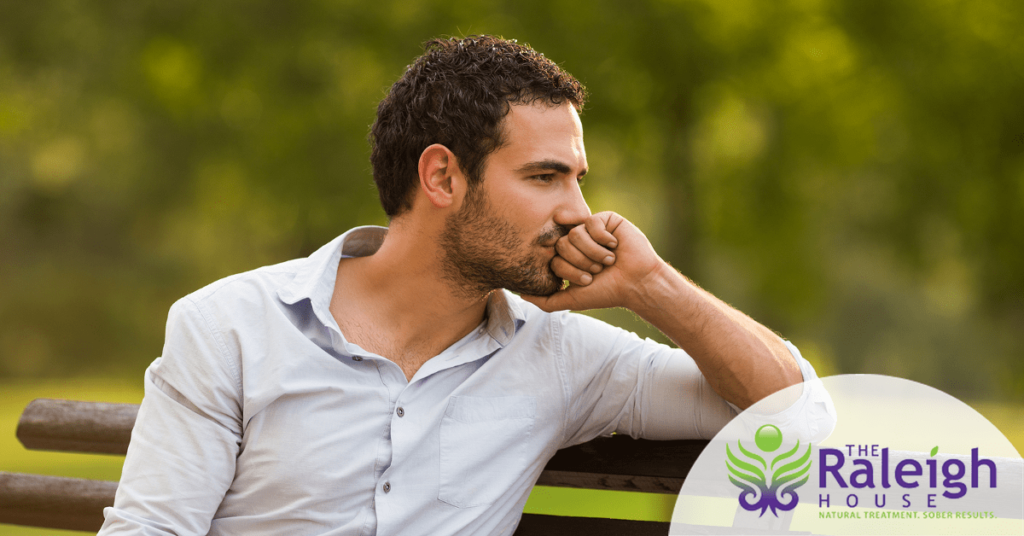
(646, 484)
(542, 525)
(74, 426)
(624, 464)
(54, 502)
(608, 463)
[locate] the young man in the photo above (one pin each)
(390, 383)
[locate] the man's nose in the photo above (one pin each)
(574, 209)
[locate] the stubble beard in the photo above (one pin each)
(483, 252)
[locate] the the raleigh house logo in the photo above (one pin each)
(902, 473)
(787, 471)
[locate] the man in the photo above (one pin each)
(391, 383)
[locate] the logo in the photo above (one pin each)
(751, 474)
(877, 455)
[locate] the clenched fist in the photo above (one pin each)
(607, 262)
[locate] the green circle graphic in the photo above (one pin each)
(768, 437)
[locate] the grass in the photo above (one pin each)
(1009, 418)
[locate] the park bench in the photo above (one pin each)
(611, 463)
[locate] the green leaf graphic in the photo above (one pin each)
(795, 469)
(744, 476)
(752, 455)
(935, 450)
(740, 464)
(785, 455)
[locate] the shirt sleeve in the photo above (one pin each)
(618, 382)
(181, 459)
(805, 409)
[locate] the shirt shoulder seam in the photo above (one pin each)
(272, 270)
(219, 337)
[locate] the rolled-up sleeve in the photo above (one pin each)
(181, 459)
(807, 408)
(618, 382)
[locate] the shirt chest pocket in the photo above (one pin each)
(483, 447)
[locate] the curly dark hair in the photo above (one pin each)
(457, 94)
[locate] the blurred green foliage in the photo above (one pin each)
(850, 173)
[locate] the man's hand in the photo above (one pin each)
(606, 260)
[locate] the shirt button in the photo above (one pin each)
(387, 487)
(400, 412)
(356, 358)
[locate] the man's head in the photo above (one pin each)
(458, 94)
(503, 234)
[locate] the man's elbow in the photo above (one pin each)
(776, 372)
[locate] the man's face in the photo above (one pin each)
(504, 234)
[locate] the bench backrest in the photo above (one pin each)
(610, 463)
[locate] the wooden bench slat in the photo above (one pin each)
(54, 502)
(646, 484)
(624, 464)
(609, 463)
(74, 426)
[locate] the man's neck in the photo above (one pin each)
(397, 304)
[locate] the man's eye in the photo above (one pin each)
(548, 177)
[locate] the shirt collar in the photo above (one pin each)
(315, 277)
(504, 316)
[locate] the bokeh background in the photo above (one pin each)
(849, 173)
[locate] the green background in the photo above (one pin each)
(849, 173)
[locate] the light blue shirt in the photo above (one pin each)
(261, 418)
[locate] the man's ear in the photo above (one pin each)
(441, 180)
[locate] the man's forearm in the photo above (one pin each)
(610, 263)
(741, 359)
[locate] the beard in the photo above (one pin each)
(483, 252)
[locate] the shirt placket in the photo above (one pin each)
(388, 491)
(394, 381)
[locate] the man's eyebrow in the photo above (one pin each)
(547, 165)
